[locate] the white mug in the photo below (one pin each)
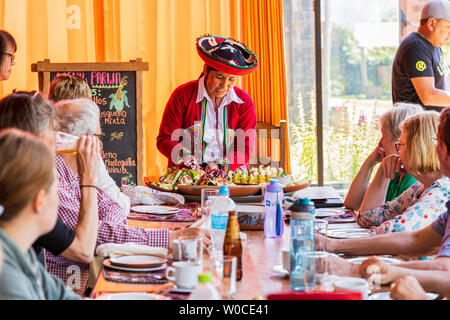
(353, 284)
(185, 274)
(286, 259)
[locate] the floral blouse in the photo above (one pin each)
(414, 209)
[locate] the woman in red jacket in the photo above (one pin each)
(209, 119)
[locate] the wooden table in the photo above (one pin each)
(260, 255)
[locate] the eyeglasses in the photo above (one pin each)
(100, 136)
(398, 146)
(11, 55)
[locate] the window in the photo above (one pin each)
(357, 51)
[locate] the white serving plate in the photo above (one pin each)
(138, 261)
(134, 296)
(384, 295)
(328, 212)
(161, 210)
(108, 264)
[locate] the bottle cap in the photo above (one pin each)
(224, 191)
(205, 277)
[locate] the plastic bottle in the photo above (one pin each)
(219, 219)
(273, 216)
(302, 239)
(205, 290)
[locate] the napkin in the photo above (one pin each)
(106, 250)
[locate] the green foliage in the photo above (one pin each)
(348, 141)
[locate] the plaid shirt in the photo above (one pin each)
(112, 227)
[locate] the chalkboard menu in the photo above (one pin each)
(117, 89)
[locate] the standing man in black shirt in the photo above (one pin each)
(419, 70)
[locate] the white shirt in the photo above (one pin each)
(214, 126)
(107, 184)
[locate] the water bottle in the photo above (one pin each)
(302, 239)
(273, 217)
(205, 290)
(219, 219)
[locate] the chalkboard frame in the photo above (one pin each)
(44, 68)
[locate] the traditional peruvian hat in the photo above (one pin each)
(226, 55)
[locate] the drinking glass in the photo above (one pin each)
(316, 271)
(321, 227)
(223, 269)
(207, 198)
(66, 143)
(191, 249)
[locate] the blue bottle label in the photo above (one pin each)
(219, 222)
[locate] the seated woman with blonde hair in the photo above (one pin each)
(28, 192)
(425, 200)
(386, 185)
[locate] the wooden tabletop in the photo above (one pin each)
(260, 256)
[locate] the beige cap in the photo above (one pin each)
(437, 9)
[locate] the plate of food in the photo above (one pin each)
(235, 191)
(138, 261)
(296, 185)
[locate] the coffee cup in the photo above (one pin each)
(184, 274)
(286, 259)
(353, 284)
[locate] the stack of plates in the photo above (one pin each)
(136, 263)
(328, 212)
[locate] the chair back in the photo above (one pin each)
(270, 145)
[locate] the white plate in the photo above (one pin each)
(134, 296)
(384, 295)
(359, 260)
(279, 269)
(108, 264)
(138, 261)
(349, 233)
(340, 220)
(180, 290)
(328, 212)
(162, 210)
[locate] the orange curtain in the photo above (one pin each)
(262, 31)
(161, 32)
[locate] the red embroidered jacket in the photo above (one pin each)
(182, 112)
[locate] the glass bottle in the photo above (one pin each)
(232, 245)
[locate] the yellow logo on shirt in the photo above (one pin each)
(420, 65)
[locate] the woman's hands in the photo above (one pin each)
(88, 159)
(391, 165)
